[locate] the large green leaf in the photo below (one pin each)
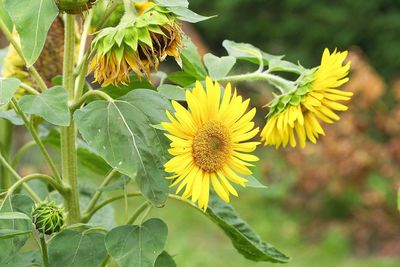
(165, 260)
(11, 116)
(8, 87)
(121, 133)
(253, 54)
(86, 156)
(191, 61)
(243, 238)
(188, 15)
(24, 259)
(9, 247)
(77, 248)
(32, 19)
(51, 105)
(5, 17)
(172, 92)
(173, 3)
(137, 245)
(218, 67)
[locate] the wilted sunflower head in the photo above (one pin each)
(300, 111)
(138, 45)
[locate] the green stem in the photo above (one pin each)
(14, 173)
(5, 148)
(99, 191)
(83, 60)
(137, 213)
(36, 137)
(88, 214)
(17, 48)
(43, 247)
(38, 176)
(68, 134)
(282, 84)
(29, 89)
(88, 94)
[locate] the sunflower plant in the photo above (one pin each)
(110, 127)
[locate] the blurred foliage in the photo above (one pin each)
(301, 29)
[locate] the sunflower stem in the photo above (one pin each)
(137, 213)
(43, 246)
(283, 85)
(68, 134)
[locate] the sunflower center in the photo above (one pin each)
(212, 146)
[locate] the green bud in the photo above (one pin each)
(74, 6)
(48, 218)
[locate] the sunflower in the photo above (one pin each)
(315, 99)
(210, 143)
(137, 45)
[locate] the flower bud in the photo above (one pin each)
(48, 218)
(74, 6)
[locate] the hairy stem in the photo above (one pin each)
(68, 134)
(282, 84)
(5, 148)
(137, 213)
(36, 137)
(88, 94)
(17, 48)
(43, 246)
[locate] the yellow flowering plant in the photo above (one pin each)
(187, 136)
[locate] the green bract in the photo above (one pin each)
(294, 97)
(74, 6)
(48, 218)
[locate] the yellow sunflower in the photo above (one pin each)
(210, 143)
(300, 111)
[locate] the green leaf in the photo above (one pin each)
(181, 78)
(5, 17)
(32, 20)
(14, 216)
(8, 87)
(121, 133)
(24, 259)
(120, 90)
(10, 233)
(172, 92)
(51, 105)
(191, 61)
(277, 64)
(165, 260)
(218, 67)
(244, 51)
(254, 182)
(86, 156)
(12, 117)
(244, 239)
(137, 245)
(188, 15)
(9, 247)
(77, 248)
(172, 3)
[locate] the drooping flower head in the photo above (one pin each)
(299, 112)
(137, 45)
(210, 143)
